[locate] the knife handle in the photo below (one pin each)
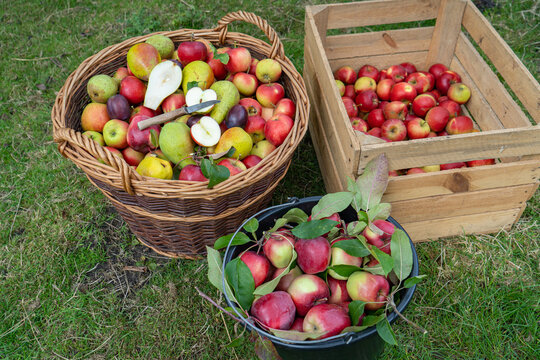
(163, 118)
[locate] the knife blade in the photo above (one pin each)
(184, 110)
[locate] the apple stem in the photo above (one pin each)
(416, 326)
(209, 299)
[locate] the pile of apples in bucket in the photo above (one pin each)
(322, 276)
(252, 118)
(402, 103)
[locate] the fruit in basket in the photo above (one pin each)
(239, 139)
(375, 118)
(409, 67)
(383, 89)
(255, 127)
(403, 92)
(253, 66)
(252, 106)
(245, 83)
(395, 110)
(120, 74)
(453, 108)
(268, 95)
(422, 103)
(446, 79)
(349, 91)
(206, 132)
(218, 68)
(340, 257)
(459, 125)
(396, 72)
(474, 163)
(118, 107)
(417, 128)
(235, 166)
(455, 165)
(132, 89)
(251, 160)
(197, 72)
(141, 59)
(278, 248)
(437, 69)
(164, 80)
(365, 83)
(141, 110)
(313, 254)
(341, 87)
(236, 117)
(258, 265)
(191, 172)
(420, 82)
(114, 151)
(94, 117)
(101, 87)
(155, 167)
(239, 60)
(459, 92)
(431, 168)
(394, 130)
(350, 106)
(368, 287)
(306, 291)
(285, 106)
(143, 140)
(228, 96)
(115, 133)
(287, 279)
(330, 319)
(132, 157)
(173, 102)
(359, 124)
(366, 100)
(175, 141)
(369, 71)
(338, 291)
(278, 128)
(163, 45)
(268, 71)
(346, 74)
(275, 310)
(262, 149)
(196, 95)
(437, 118)
(190, 51)
(96, 136)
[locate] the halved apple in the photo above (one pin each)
(206, 132)
(196, 95)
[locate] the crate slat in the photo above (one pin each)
(381, 61)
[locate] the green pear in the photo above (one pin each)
(197, 71)
(238, 138)
(228, 96)
(101, 88)
(175, 141)
(163, 45)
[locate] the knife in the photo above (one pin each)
(160, 119)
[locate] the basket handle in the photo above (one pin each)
(65, 136)
(277, 46)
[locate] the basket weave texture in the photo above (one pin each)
(178, 218)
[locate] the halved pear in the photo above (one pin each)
(206, 132)
(196, 95)
(165, 79)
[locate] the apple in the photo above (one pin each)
(359, 124)
(437, 117)
(330, 319)
(253, 66)
(287, 279)
(420, 82)
(115, 133)
(196, 95)
(206, 132)
(279, 247)
(437, 69)
(474, 163)
(366, 100)
(298, 324)
(268, 71)
(446, 79)
(218, 68)
(451, 166)
(189, 51)
(120, 74)
(235, 166)
(132, 89)
(368, 287)
(313, 254)
(340, 257)
(258, 265)
(415, 171)
(460, 125)
(417, 128)
(459, 93)
(277, 129)
(386, 226)
(275, 310)
(245, 83)
(431, 168)
(251, 160)
(383, 88)
(403, 92)
(115, 152)
(346, 74)
(96, 136)
(191, 172)
(341, 87)
(376, 131)
(372, 237)
(383, 74)
(435, 93)
(422, 103)
(252, 106)
(395, 110)
(94, 117)
(396, 73)
(365, 83)
(350, 107)
(349, 91)
(453, 108)
(239, 60)
(142, 140)
(393, 173)
(141, 110)
(255, 127)
(306, 291)
(375, 118)
(262, 149)
(268, 95)
(432, 134)
(173, 102)
(369, 71)
(132, 157)
(394, 130)
(409, 67)
(267, 113)
(338, 291)
(285, 106)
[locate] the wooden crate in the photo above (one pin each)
(432, 205)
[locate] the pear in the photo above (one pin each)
(228, 96)
(175, 141)
(163, 45)
(155, 167)
(141, 59)
(164, 80)
(197, 71)
(238, 138)
(101, 88)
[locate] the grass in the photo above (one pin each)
(75, 283)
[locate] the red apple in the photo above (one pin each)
(451, 166)
(346, 74)
(306, 291)
(446, 79)
(453, 108)
(435, 93)
(340, 257)
(173, 102)
(189, 51)
(255, 127)
(298, 324)
(370, 288)
(396, 73)
(338, 291)
(218, 68)
(350, 107)
(417, 129)
(365, 83)
(437, 117)
(415, 171)
(432, 134)
(375, 118)
(460, 125)
(267, 113)
(133, 89)
(459, 93)
(420, 82)
(285, 106)
(383, 88)
(383, 74)
(132, 157)
(141, 110)
(258, 265)
(422, 103)
(403, 92)
(366, 100)
(376, 131)
(330, 319)
(395, 110)
(275, 310)
(277, 129)
(235, 166)
(268, 95)
(437, 69)
(191, 172)
(313, 254)
(245, 83)
(94, 117)
(394, 130)
(287, 279)
(341, 87)
(120, 74)
(386, 226)
(409, 68)
(279, 247)
(372, 237)
(239, 60)
(252, 106)
(369, 71)
(359, 124)
(142, 140)
(253, 66)
(251, 160)
(268, 71)
(115, 133)
(474, 163)
(349, 91)
(430, 78)
(442, 133)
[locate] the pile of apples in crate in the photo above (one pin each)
(252, 118)
(401, 103)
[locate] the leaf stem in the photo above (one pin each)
(416, 326)
(209, 299)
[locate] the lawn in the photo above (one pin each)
(76, 284)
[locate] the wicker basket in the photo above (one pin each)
(178, 218)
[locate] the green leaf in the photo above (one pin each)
(240, 239)
(356, 202)
(363, 216)
(230, 152)
(264, 348)
(352, 247)
(356, 227)
(402, 254)
(379, 211)
(279, 224)
(330, 204)
(270, 286)
(344, 270)
(314, 228)
(353, 329)
(235, 343)
(252, 225)
(215, 274)
(386, 333)
(154, 138)
(373, 181)
(296, 335)
(386, 261)
(375, 270)
(410, 282)
(206, 168)
(356, 309)
(351, 185)
(371, 320)
(240, 279)
(296, 215)
(224, 58)
(192, 84)
(219, 174)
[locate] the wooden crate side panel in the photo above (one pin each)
(417, 58)
(517, 76)
(445, 35)
(378, 43)
(369, 13)
(448, 149)
(484, 223)
(462, 180)
(467, 203)
(488, 84)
